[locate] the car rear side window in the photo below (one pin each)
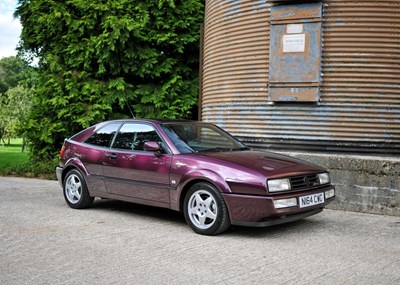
(104, 136)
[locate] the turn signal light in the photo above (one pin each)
(62, 151)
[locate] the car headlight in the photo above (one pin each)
(276, 185)
(324, 178)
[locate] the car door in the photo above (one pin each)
(131, 171)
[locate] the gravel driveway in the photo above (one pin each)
(43, 241)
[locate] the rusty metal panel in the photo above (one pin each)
(295, 53)
(299, 60)
(300, 13)
(293, 94)
(359, 108)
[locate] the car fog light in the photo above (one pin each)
(285, 203)
(329, 194)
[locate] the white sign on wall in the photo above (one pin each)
(294, 43)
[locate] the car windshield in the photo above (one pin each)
(200, 137)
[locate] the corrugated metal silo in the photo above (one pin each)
(358, 108)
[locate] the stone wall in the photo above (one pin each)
(369, 184)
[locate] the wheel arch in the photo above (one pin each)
(219, 184)
(73, 164)
(186, 189)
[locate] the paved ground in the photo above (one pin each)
(43, 241)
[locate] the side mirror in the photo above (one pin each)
(152, 146)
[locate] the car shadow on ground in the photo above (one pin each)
(309, 224)
(300, 226)
(139, 210)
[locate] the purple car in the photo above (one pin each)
(192, 167)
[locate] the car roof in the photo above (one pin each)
(157, 121)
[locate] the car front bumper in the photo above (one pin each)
(260, 211)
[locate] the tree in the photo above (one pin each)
(100, 58)
(15, 82)
(12, 72)
(14, 107)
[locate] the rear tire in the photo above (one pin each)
(205, 210)
(75, 190)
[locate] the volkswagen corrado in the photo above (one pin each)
(192, 167)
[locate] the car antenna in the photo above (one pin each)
(130, 110)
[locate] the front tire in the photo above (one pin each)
(75, 190)
(205, 210)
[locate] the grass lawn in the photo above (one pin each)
(14, 162)
(11, 154)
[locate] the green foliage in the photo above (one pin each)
(100, 58)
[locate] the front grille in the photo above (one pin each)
(304, 182)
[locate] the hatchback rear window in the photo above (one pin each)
(104, 136)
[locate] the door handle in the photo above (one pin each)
(111, 155)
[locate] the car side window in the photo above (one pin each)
(104, 136)
(133, 136)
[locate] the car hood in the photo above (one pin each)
(266, 163)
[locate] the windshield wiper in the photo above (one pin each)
(241, 148)
(217, 149)
(221, 149)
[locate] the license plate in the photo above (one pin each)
(311, 200)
